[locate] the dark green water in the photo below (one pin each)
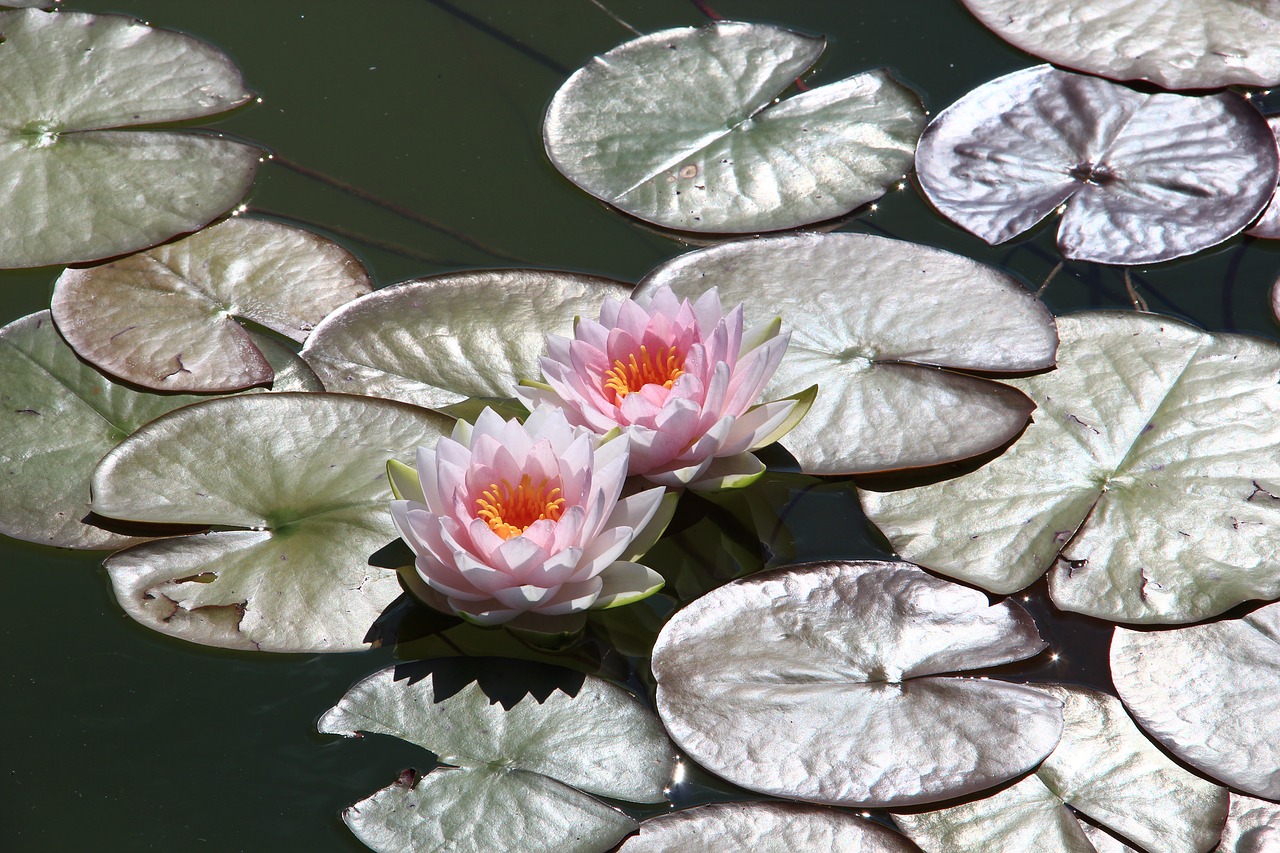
(122, 739)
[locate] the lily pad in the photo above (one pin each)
(1146, 480)
(683, 128)
(74, 187)
(439, 340)
(59, 416)
(1253, 826)
(1208, 693)
(163, 318)
(1104, 768)
(1177, 44)
(1144, 178)
(763, 827)
(1268, 225)
(296, 485)
(825, 682)
(515, 778)
(872, 320)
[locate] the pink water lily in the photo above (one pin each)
(680, 380)
(508, 518)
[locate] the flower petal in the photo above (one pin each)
(626, 583)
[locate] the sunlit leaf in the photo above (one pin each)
(763, 827)
(1178, 44)
(683, 128)
(440, 340)
(72, 188)
(1208, 693)
(825, 682)
(1253, 826)
(516, 777)
(163, 318)
(1143, 177)
(1105, 842)
(297, 485)
(871, 321)
(1103, 768)
(58, 417)
(1146, 479)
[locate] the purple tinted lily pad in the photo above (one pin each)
(1268, 225)
(828, 682)
(1141, 178)
(1103, 768)
(1177, 44)
(165, 318)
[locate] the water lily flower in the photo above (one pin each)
(508, 518)
(680, 380)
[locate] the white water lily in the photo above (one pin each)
(508, 518)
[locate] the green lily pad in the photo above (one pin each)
(163, 318)
(514, 778)
(1208, 693)
(296, 485)
(873, 322)
(683, 128)
(827, 682)
(439, 340)
(1146, 480)
(59, 416)
(1178, 44)
(74, 187)
(1103, 768)
(763, 827)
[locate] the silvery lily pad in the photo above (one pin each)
(296, 485)
(763, 827)
(164, 318)
(1103, 768)
(514, 778)
(1177, 44)
(1268, 225)
(871, 321)
(1144, 178)
(1145, 480)
(59, 416)
(1253, 826)
(440, 340)
(1208, 693)
(74, 187)
(683, 128)
(826, 682)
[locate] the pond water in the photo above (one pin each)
(117, 735)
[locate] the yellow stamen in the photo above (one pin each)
(509, 511)
(635, 373)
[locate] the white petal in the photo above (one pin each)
(626, 583)
(729, 472)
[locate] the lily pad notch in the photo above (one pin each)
(684, 128)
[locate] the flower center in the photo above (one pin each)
(510, 510)
(624, 377)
